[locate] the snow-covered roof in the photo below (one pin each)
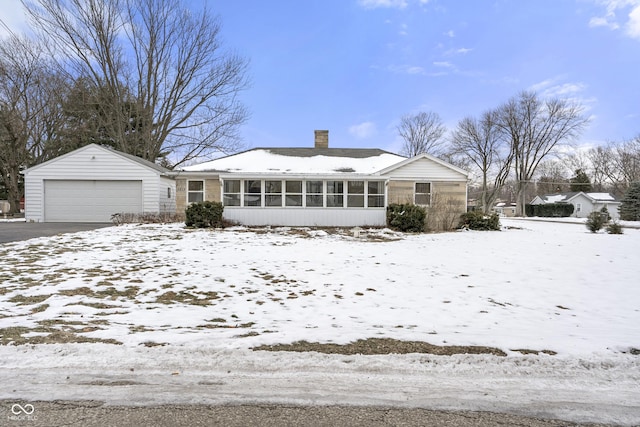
(567, 197)
(301, 161)
(601, 196)
(557, 198)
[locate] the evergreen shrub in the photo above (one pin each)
(595, 221)
(204, 214)
(550, 210)
(630, 203)
(614, 228)
(479, 221)
(406, 217)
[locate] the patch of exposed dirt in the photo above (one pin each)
(47, 335)
(373, 346)
(536, 352)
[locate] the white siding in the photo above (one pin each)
(426, 170)
(307, 217)
(585, 206)
(90, 163)
(167, 193)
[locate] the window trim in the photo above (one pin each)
(225, 193)
(203, 191)
(415, 193)
(288, 193)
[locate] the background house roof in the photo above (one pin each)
(302, 161)
(566, 197)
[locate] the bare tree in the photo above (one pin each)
(536, 128)
(30, 116)
(552, 177)
(481, 142)
(422, 133)
(614, 166)
(171, 88)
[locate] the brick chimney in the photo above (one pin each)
(322, 139)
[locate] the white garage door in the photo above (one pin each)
(90, 201)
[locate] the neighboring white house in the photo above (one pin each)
(507, 209)
(583, 203)
(319, 186)
(94, 182)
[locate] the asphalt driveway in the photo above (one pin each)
(16, 231)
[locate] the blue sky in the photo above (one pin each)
(355, 67)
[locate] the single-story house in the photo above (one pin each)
(94, 182)
(507, 209)
(319, 186)
(583, 203)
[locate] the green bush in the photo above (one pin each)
(595, 221)
(406, 217)
(614, 228)
(479, 221)
(550, 210)
(204, 214)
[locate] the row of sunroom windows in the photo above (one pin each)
(295, 193)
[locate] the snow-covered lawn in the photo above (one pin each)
(166, 293)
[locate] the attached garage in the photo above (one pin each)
(93, 183)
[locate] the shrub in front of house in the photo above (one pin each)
(595, 221)
(204, 215)
(406, 217)
(476, 220)
(550, 210)
(614, 228)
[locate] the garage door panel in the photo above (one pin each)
(90, 201)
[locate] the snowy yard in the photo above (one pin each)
(163, 294)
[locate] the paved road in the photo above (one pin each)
(16, 231)
(95, 414)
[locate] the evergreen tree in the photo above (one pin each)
(581, 181)
(630, 206)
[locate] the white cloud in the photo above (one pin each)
(406, 69)
(458, 51)
(444, 64)
(398, 4)
(619, 14)
(574, 92)
(633, 26)
(450, 33)
(363, 130)
(403, 30)
(602, 22)
(373, 4)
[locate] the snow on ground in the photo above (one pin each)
(199, 300)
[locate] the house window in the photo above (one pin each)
(423, 193)
(375, 194)
(195, 191)
(293, 193)
(578, 207)
(168, 192)
(231, 192)
(335, 194)
(314, 194)
(252, 192)
(355, 197)
(273, 193)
